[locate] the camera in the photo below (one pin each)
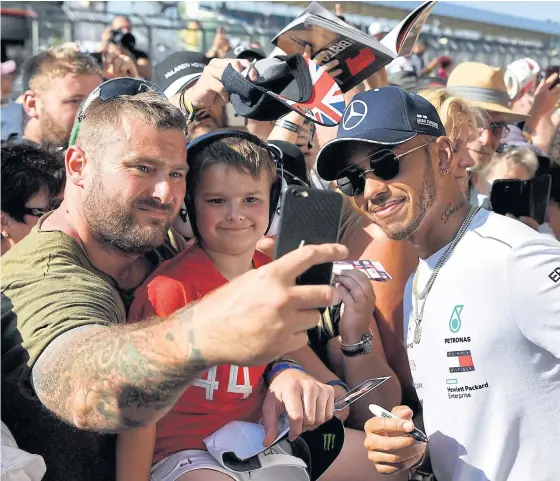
(125, 40)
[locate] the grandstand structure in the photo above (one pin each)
(462, 32)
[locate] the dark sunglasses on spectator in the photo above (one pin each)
(498, 129)
(109, 90)
(384, 164)
(40, 212)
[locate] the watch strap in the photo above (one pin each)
(363, 346)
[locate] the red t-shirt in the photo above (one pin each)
(224, 393)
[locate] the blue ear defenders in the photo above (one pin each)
(185, 223)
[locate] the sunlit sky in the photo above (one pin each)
(535, 10)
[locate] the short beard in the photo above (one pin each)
(426, 199)
(51, 132)
(114, 226)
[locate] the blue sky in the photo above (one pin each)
(535, 10)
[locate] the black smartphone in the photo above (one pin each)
(508, 196)
(539, 197)
(522, 197)
(309, 216)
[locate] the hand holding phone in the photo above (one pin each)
(309, 216)
(527, 198)
(553, 69)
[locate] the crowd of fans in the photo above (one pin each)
(141, 310)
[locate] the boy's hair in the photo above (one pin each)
(239, 153)
(58, 63)
(26, 169)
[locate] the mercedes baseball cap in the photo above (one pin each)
(244, 51)
(178, 71)
(385, 116)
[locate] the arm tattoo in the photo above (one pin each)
(115, 378)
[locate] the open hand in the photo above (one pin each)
(118, 65)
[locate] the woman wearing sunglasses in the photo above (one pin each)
(32, 183)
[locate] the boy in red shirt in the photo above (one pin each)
(228, 199)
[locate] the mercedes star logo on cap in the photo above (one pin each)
(354, 115)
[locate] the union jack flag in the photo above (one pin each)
(326, 105)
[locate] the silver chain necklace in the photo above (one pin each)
(424, 294)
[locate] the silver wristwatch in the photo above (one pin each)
(363, 346)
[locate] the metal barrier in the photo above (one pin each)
(161, 35)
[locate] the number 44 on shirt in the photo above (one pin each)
(211, 384)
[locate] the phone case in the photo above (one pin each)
(522, 198)
(309, 216)
(509, 196)
(540, 195)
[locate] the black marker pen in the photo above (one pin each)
(383, 413)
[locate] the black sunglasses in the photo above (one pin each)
(384, 164)
(498, 129)
(40, 212)
(109, 90)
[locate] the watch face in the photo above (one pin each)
(357, 392)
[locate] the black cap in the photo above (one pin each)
(384, 116)
(179, 70)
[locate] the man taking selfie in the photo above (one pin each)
(66, 288)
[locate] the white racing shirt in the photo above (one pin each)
(487, 368)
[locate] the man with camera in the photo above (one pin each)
(118, 36)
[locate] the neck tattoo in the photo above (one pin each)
(449, 211)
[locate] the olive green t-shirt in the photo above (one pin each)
(49, 287)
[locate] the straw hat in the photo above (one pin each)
(484, 87)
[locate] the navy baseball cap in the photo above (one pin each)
(385, 116)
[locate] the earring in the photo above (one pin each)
(445, 172)
(6, 236)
